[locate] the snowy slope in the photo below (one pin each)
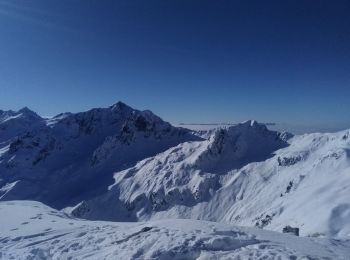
(71, 157)
(237, 177)
(184, 175)
(31, 230)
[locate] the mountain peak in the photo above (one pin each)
(250, 122)
(119, 106)
(26, 110)
(24, 113)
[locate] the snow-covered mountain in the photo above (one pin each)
(71, 157)
(31, 230)
(185, 175)
(16, 123)
(122, 164)
(245, 175)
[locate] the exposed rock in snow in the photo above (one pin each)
(30, 230)
(236, 146)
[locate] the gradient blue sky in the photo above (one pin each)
(188, 61)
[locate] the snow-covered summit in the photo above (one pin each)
(24, 112)
(15, 123)
(239, 145)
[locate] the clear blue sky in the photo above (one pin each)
(188, 61)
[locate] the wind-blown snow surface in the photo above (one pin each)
(31, 230)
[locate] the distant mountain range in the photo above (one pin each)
(122, 164)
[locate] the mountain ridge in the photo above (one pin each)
(65, 149)
(122, 164)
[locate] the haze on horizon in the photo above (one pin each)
(188, 61)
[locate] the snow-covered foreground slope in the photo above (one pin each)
(237, 177)
(31, 230)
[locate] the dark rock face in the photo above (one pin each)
(290, 185)
(291, 230)
(289, 161)
(141, 123)
(264, 221)
(15, 145)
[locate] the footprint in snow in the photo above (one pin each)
(75, 246)
(24, 223)
(100, 240)
(39, 216)
(81, 234)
